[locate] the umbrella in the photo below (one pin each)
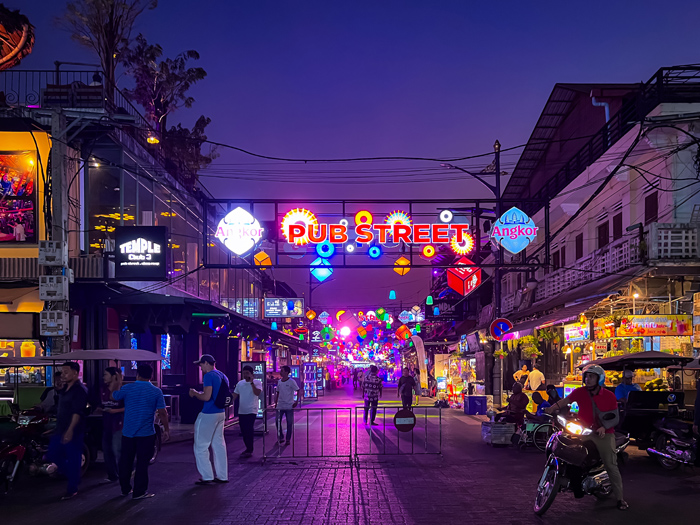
(116, 354)
(693, 365)
(651, 359)
(7, 362)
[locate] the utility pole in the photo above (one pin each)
(53, 255)
(499, 262)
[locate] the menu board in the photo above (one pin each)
(577, 332)
(655, 325)
(279, 307)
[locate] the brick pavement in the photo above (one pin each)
(470, 483)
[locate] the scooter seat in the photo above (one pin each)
(677, 424)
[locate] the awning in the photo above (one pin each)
(22, 299)
(565, 314)
(6, 362)
(116, 354)
(637, 360)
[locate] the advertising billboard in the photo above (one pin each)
(18, 201)
(280, 307)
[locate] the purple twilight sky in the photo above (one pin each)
(357, 78)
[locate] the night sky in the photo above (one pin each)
(430, 78)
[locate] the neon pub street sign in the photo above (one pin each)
(368, 233)
(514, 230)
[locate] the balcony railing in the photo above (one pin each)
(79, 91)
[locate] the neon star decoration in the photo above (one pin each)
(299, 216)
(464, 247)
(398, 217)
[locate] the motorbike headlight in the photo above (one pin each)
(574, 428)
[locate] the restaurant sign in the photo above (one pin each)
(577, 332)
(653, 325)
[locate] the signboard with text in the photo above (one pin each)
(140, 253)
(280, 307)
(655, 325)
(577, 332)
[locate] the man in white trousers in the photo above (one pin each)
(209, 427)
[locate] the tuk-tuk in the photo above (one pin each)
(642, 409)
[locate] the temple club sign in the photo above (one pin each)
(239, 231)
(514, 230)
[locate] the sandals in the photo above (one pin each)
(622, 505)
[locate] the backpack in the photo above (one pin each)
(224, 397)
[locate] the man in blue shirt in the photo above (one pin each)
(141, 401)
(209, 427)
(623, 389)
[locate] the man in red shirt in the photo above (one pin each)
(604, 436)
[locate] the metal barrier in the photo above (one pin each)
(303, 443)
(336, 433)
(393, 438)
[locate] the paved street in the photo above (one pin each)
(471, 482)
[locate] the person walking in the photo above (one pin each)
(354, 378)
(285, 404)
(209, 426)
(248, 390)
(405, 389)
(372, 391)
(66, 445)
(141, 401)
(112, 423)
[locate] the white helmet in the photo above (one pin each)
(595, 369)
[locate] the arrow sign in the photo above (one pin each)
(499, 327)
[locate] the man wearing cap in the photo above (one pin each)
(209, 426)
(623, 389)
(248, 390)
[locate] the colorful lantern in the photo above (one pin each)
(262, 259)
(274, 325)
(321, 269)
(392, 295)
(402, 265)
(429, 300)
(311, 315)
(436, 311)
(403, 333)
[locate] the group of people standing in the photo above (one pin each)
(128, 433)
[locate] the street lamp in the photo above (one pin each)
(634, 303)
(495, 189)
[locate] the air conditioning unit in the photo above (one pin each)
(51, 253)
(53, 323)
(53, 287)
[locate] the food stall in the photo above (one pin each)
(645, 407)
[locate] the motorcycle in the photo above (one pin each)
(26, 447)
(675, 444)
(571, 456)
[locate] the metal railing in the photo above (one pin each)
(336, 433)
(393, 438)
(309, 425)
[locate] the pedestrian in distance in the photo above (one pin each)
(354, 378)
(66, 445)
(406, 387)
(285, 404)
(112, 423)
(141, 401)
(209, 426)
(248, 390)
(372, 391)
